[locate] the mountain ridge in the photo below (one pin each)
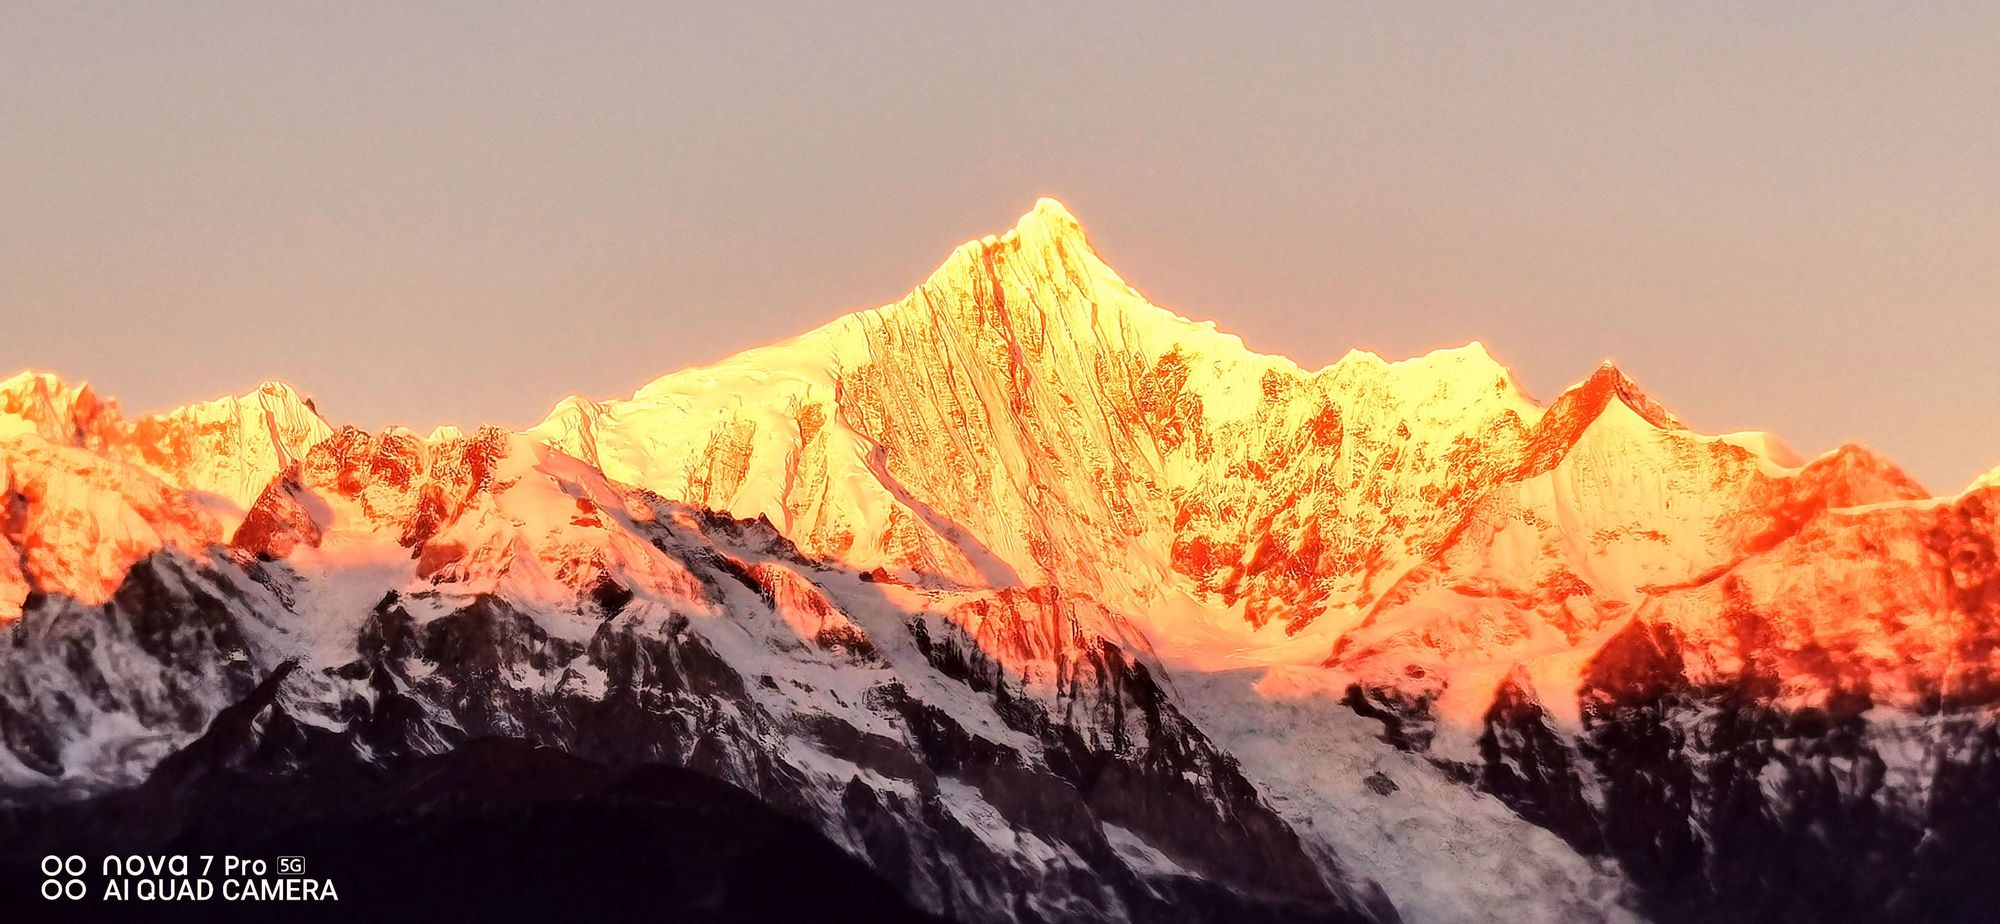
(1024, 539)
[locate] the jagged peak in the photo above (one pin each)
(1854, 451)
(1473, 353)
(1579, 407)
(1048, 237)
(577, 404)
(272, 410)
(1765, 445)
(1475, 350)
(1050, 218)
(1467, 370)
(1048, 233)
(26, 379)
(266, 395)
(1048, 221)
(401, 432)
(1085, 297)
(1858, 465)
(280, 390)
(274, 389)
(571, 421)
(1608, 381)
(44, 404)
(1042, 275)
(31, 385)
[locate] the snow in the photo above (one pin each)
(1025, 417)
(1142, 856)
(1442, 852)
(334, 589)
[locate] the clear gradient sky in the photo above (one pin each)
(1782, 216)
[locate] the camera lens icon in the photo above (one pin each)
(63, 880)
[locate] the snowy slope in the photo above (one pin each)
(982, 748)
(1053, 604)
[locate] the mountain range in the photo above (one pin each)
(1041, 602)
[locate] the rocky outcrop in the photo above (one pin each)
(1040, 774)
(418, 836)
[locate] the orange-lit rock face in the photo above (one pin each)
(229, 448)
(45, 406)
(1025, 418)
(73, 522)
(471, 513)
(1024, 522)
(1610, 512)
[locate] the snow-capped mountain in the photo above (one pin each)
(1050, 604)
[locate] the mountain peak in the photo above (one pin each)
(1048, 226)
(29, 386)
(28, 379)
(1580, 406)
(1039, 277)
(279, 389)
(230, 446)
(278, 402)
(44, 404)
(1609, 381)
(1052, 214)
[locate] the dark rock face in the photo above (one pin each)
(1728, 808)
(497, 829)
(1151, 770)
(670, 698)
(172, 645)
(324, 758)
(1528, 766)
(1723, 807)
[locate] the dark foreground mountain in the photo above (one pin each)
(496, 830)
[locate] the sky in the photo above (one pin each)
(1780, 216)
